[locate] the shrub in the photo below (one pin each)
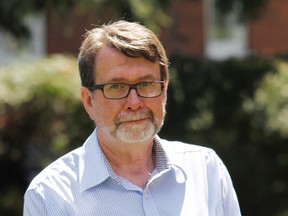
(237, 107)
(42, 117)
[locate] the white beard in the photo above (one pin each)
(135, 133)
(131, 133)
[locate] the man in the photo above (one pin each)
(124, 168)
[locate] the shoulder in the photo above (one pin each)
(185, 154)
(50, 191)
(177, 147)
(64, 168)
(195, 160)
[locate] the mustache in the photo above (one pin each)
(133, 116)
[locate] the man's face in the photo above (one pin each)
(131, 119)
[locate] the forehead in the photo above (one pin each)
(112, 65)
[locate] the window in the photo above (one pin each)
(226, 35)
(12, 50)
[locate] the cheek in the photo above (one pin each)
(105, 113)
(159, 109)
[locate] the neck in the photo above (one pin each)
(133, 161)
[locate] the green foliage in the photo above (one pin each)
(19, 83)
(272, 98)
(248, 8)
(41, 118)
(236, 107)
(13, 12)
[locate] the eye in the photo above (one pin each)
(145, 84)
(116, 86)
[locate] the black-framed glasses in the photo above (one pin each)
(114, 91)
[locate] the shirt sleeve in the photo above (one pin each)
(45, 202)
(33, 204)
(229, 197)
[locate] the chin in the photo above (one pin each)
(135, 134)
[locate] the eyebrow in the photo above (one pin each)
(124, 80)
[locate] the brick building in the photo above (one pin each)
(268, 34)
(188, 34)
(194, 31)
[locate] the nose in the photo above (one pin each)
(133, 101)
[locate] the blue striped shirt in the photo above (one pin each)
(187, 180)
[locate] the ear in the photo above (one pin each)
(87, 101)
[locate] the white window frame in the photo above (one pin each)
(226, 40)
(12, 50)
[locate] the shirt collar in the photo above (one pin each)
(95, 169)
(161, 159)
(165, 160)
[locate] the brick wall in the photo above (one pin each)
(64, 34)
(268, 33)
(186, 33)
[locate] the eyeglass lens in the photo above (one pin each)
(121, 90)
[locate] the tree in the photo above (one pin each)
(249, 8)
(239, 108)
(13, 12)
(40, 106)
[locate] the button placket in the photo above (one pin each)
(149, 204)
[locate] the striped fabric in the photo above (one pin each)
(187, 180)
